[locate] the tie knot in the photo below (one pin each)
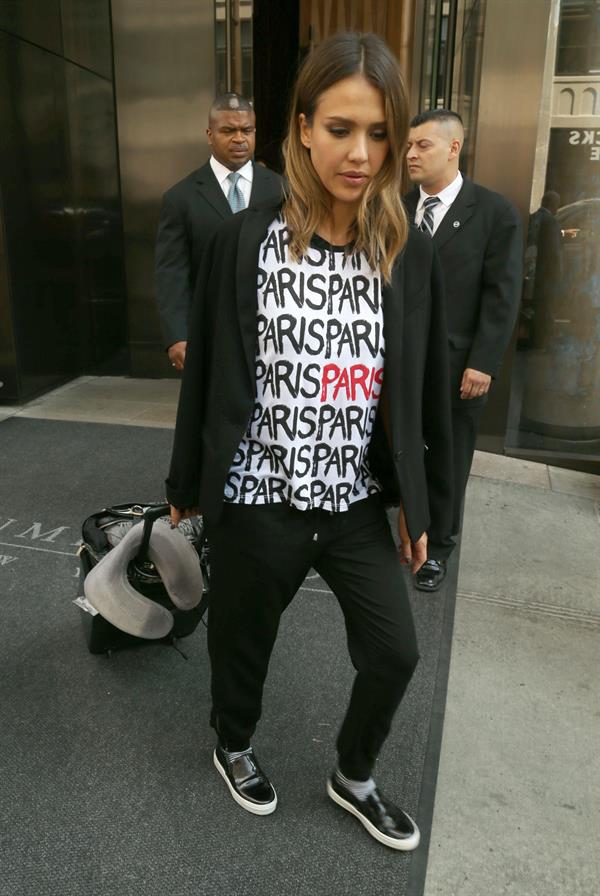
(431, 201)
(233, 177)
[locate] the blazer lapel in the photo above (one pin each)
(208, 186)
(257, 192)
(393, 329)
(457, 215)
(411, 200)
(254, 227)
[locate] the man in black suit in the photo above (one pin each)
(478, 237)
(196, 206)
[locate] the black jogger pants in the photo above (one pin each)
(260, 555)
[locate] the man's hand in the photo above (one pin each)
(474, 383)
(176, 354)
(414, 552)
(178, 515)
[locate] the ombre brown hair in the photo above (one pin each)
(381, 227)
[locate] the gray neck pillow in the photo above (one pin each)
(109, 591)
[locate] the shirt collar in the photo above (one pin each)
(221, 172)
(446, 196)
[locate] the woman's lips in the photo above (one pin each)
(354, 177)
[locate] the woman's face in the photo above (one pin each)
(347, 138)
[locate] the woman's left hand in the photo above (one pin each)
(178, 515)
(413, 552)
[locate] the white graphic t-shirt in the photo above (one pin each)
(319, 372)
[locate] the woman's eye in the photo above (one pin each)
(379, 135)
(338, 132)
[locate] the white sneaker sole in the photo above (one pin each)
(406, 845)
(266, 809)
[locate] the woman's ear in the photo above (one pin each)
(305, 130)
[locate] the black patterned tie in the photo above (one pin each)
(426, 224)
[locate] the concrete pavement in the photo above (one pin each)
(518, 795)
(518, 792)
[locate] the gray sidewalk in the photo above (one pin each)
(518, 799)
(518, 792)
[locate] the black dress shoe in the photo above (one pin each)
(384, 821)
(431, 575)
(248, 784)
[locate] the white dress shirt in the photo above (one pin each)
(446, 197)
(246, 173)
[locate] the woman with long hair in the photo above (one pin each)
(315, 393)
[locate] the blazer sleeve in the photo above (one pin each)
(437, 416)
(173, 267)
(502, 283)
(183, 482)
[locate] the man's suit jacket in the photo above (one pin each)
(480, 245)
(219, 385)
(190, 213)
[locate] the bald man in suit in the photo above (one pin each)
(193, 209)
(477, 234)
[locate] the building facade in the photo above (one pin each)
(104, 105)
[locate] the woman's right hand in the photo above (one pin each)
(178, 515)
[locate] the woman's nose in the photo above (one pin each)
(359, 148)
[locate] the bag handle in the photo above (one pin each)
(150, 516)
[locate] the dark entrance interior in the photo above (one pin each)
(276, 56)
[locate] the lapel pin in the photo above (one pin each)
(456, 224)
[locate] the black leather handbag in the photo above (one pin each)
(129, 594)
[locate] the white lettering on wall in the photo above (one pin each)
(587, 138)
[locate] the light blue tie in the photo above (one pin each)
(235, 197)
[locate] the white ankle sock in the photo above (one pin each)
(236, 755)
(359, 789)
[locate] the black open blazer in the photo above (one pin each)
(480, 245)
(190, 213)
(219, 389)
